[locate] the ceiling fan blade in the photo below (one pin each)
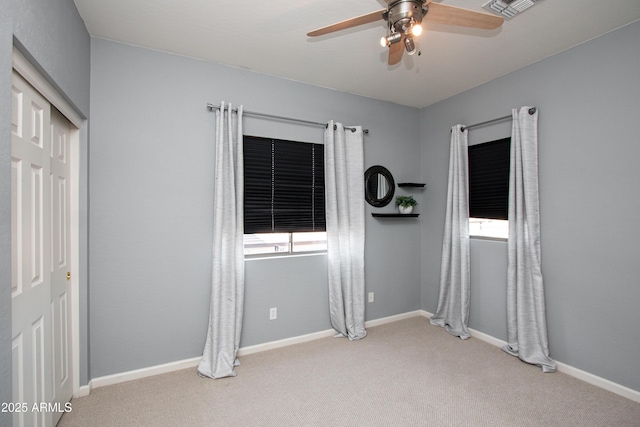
(451, 15)
(395, 52)
(349, 23)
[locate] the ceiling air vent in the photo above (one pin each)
(509, 8)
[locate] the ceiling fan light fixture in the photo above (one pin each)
(391, 39)
(409, 45)
(416, 30)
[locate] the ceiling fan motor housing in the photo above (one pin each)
(402, 14)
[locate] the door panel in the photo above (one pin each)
(17, 352)
(31, 250)
(16, 226)
(60, 260)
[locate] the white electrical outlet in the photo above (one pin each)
(273, 313)
(370, 296)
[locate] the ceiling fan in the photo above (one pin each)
(404, 23)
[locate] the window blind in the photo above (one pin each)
(489, 179)
(283, 186)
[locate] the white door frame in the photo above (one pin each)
(23, 67)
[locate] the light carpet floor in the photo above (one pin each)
(406, 373)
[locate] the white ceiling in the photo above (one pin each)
(270, 37)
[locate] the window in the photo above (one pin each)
(489, 188)
(284, 208)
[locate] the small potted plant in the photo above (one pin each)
(405, 204)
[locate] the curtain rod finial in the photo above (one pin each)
(532, 111)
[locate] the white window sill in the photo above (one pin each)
(494, 239)
(278, 256)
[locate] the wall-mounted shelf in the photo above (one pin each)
(411, 184)
(393, 215)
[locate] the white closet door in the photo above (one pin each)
(60, 261)
(41, 257)
(31, 252)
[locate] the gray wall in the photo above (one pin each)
(151, 196)
(151, 206)
(588, 150)
(53, 37)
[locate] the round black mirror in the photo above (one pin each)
(379, 186)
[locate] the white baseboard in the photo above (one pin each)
(395, 318)
(285, 342)
(487, 338)
(85, 390)
(193, 362)
(144, 372)
(574, 372)
(599, 382)
(317, 335)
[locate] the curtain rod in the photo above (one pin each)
(289, 119)
(532, 111)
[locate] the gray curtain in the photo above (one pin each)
(344, 193)
(453, 302)
(227, 281)
(526, 317)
